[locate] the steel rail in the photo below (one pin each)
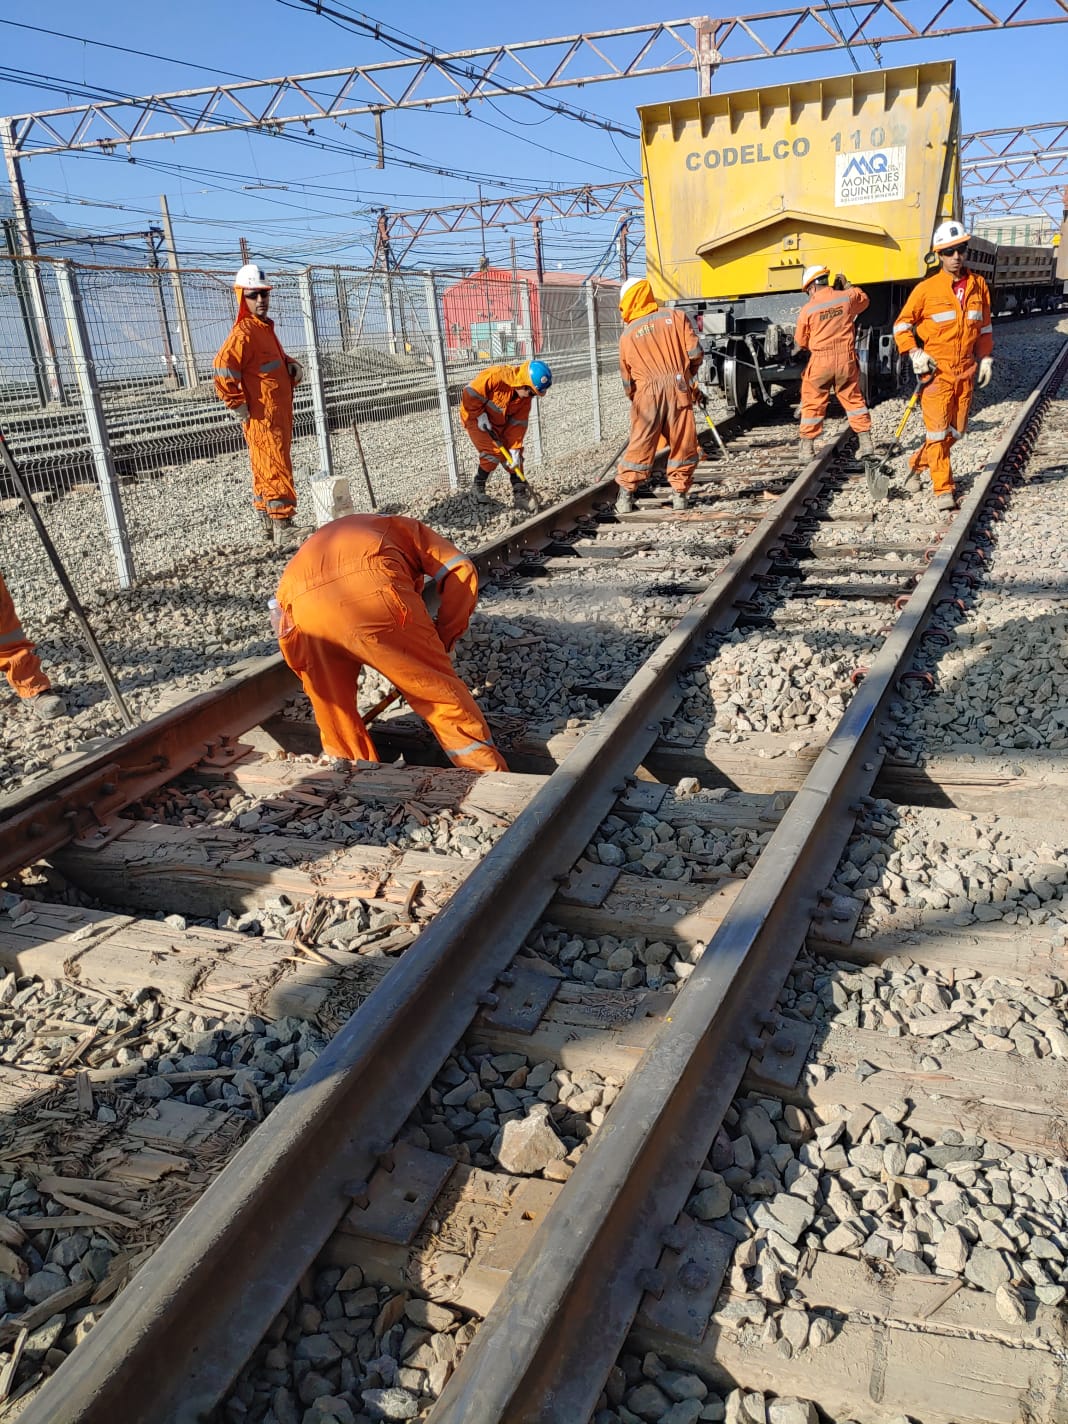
(47, 813)
(545, 1349)
(174, 1340)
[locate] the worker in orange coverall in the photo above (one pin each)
(353, 594)
(255, 379)
(825, 328)
(22, 667)
(950, 314)
(659, 355)
(494, 409)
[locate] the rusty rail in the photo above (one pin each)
(171, 1344)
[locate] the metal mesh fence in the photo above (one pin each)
(107, 402)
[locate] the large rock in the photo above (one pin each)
(527, 1145)
(390, 1404)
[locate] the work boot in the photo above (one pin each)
(806, 451)
(47, 706)
(624, 501)
(865, 446)
(480, 492)
(266, 525)
(288, 535)
(947, 502)
(679, 500)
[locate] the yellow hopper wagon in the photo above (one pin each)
(745, 190)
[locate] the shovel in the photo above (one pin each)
(716, 436)
(878, 474)
(514, 470)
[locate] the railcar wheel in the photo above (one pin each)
(736, 384)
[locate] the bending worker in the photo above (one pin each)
(825, 328)
(950, 313)
(352, 594)
(22, 667)
(255, 380)
(659, 356)
(495, 408)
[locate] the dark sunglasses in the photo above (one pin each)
(251, 296)
(952, 251)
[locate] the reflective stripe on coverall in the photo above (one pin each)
(825, 328)
(250, 369)
(659, 355)
(493, 392)
(18, 661)
(352, 594)
(956, 336)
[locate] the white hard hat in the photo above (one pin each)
(628, 285)
(949, 234)
(252, 277)
(811, 273)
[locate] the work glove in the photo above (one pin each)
(921, 362)
(483, 423)
(699, 397)
(516, 457)
(239, 412)
(296, 371)
(986, 372)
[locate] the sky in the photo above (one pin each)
(312, 197)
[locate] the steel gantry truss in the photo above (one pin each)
(593, 199)
(426, 81)
(1009, 170)
(530, 66)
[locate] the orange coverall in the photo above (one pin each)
(956, 336)
(18, 661)
(825, 327)
(352, 594)
(250, 369)
(493, 393)
(659, 355)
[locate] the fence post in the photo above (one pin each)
(437, 347)
(89, 389)
(313, 372)
(534, 429)
(189, 355)
(591, 322)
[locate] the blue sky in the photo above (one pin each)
(324, 210)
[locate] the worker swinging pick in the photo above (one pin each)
(255, 380)
(495, 409)
(353, 594)
(950, 314)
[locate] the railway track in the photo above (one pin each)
(557, 1011)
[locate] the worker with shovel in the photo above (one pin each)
(494, 409)
(22, 667)
(353, 594)
(659, 357)
(949, 313)
(825, 328)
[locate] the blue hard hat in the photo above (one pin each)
(541, 378)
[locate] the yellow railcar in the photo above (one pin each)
(744, 190)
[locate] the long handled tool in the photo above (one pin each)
(382, 705)
(716, 436)
(514, 470)
(878, 474)
(73, 602)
